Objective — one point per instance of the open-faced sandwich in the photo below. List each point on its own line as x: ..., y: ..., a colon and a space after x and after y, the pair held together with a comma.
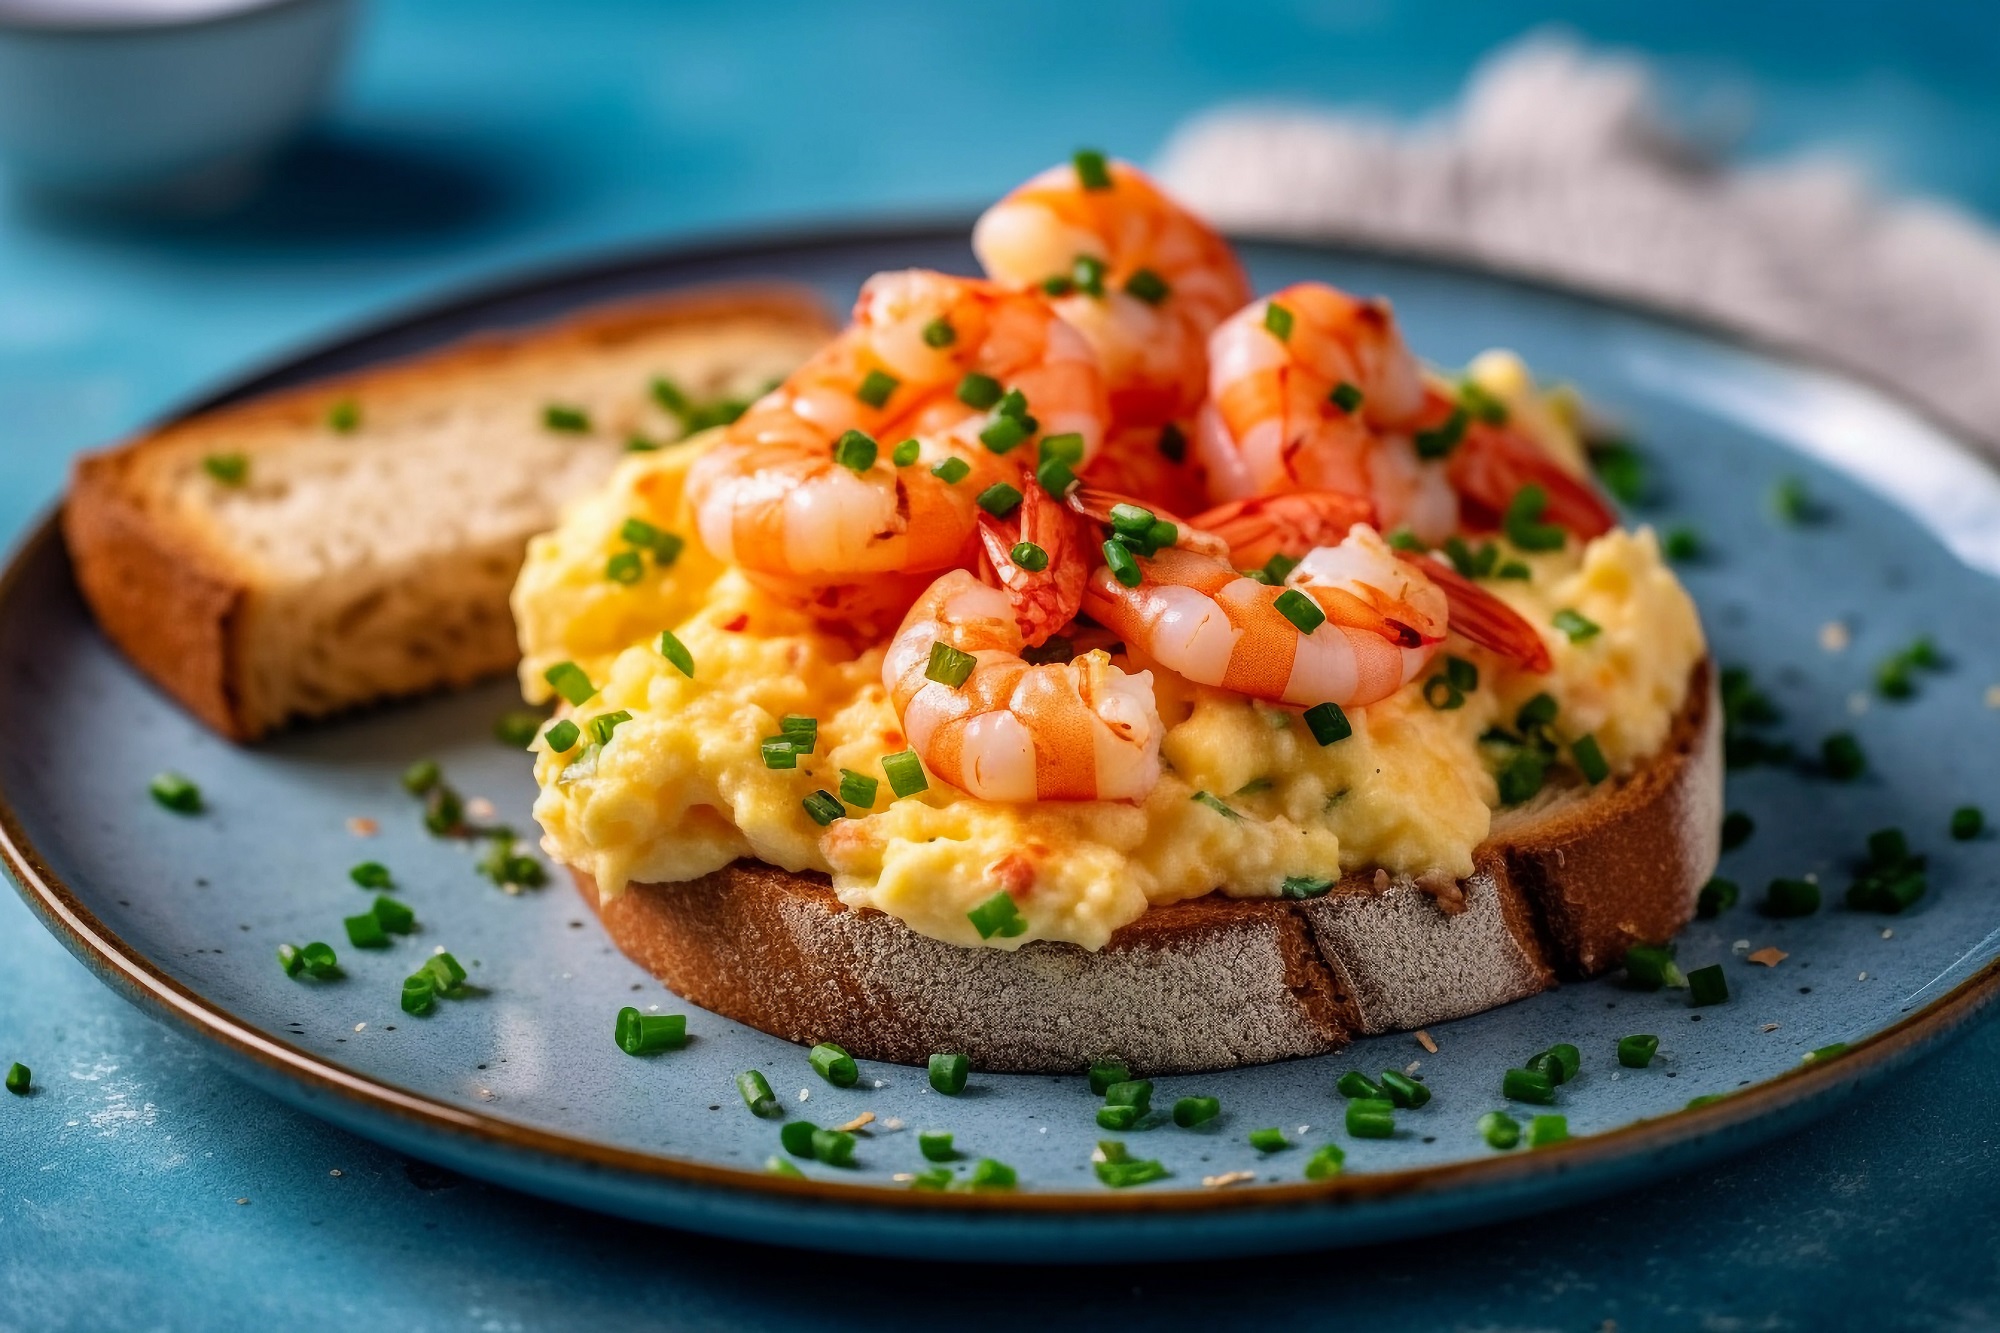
x: 1092, y: 659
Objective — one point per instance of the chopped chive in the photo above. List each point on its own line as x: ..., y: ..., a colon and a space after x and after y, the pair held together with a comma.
x: 1278, y: 320
x: 566, y: 418
x: 1403, y: 1090
x: 562, y: 736
x: 419, y: 994
x: 1707, y: 985
x: 1791, y: 503
x: 979, y: 391
x: 1520, y: 778
x: 1828, y: 1052
x: 1575, y: 624
x: 1545, y: 1130
x: 1105, y: 1073
x: 1967, y: 823
x: 19, y: 1079
x: 1354, y: 1084
x: 1192, y: 1111
x: 1442, y: 695
x: 989, y: 1174
x: 1279, y: 567
x: 1215, y: 803
x: 778, y: 1166
x: 935, y: 1145
x: 1371, y: 1118
x: 1841, y: 756
x: 1328, y: 723
x: 951, y: 471
x: 1131, y: 1092
x: 676, y: 652
x: 940, y: 333
x: 756, y: 1093
x: 419, y: 778
x: 1560, y: 1062
x: 1439, y: 441
x: 343, y: 417
x: 395, y: 917
x: 290, y: 959
x: 834, y: 1147
x: 1325, y: 1161
x: 1172, y: 443
x: 824, y: 807
x: 1132, y: 520
x: 568, y: 680
x: 1087, y: 272
x: 228, y: 469
x: 176, y: 793
x: 855, y: 451
x: 1649, y: 967
x: 600, y: 728
x: 1118, y: 1118
x: 1522, y: 522
x: 778, y: 752
x: 1528, y: 1085
x: 1791, y: 897
x: 649, y: 1034
x: 1736, y: 830
x: 1029, y: 557
x: 1058, y: 284
x: 949, y: 666
x: 1589, y: 759
x: 1403, y: 539
x: 1301, y: 610
x: 947, y: 1075
x: 1345, y: 396
x: 1000, y: 499
x: 1682, y: 544
x: 639, y: 444
x: 833, y: 1064
x: 1005, y: 434
x: 371, y: 875
x: 998, y: 915
x: 802, y: 730
x: 905, y: 773
x: 1300, y: 887
x: 1148, y: 286
x: 1123, y: 566
x: 906, y: 453
x: 876, y: 387
x: 447, y: 974
x: 1717, y: 896
x: 1622, y: 469
x: 1539, y: 711
x: 669, y: 396
x: 1500, y: 1130
x: 626, y: 567
x: 1513, y: 569
x: 937, y: 1178
x: 1637, y: 1052
x: 1055, y: 475
x: 1706, y: 1099
x: 1269, y: 1140
x: 517, y: 728
x: 858, y: 789
x: 1126, y: 1174
x: 796, y: 1135
x: 444, y: 812
x: 1092, y: 172
x: 319, y: 960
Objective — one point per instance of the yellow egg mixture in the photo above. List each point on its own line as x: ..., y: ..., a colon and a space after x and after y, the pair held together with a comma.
x: 682, y: 790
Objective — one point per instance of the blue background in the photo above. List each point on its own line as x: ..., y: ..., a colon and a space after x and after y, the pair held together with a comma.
x: 476, y: 136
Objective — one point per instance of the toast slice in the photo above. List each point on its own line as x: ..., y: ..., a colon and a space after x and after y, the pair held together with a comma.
x: 1561, y: 889
x: 357, y: 539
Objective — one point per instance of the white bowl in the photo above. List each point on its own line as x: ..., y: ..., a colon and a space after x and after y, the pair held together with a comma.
x: 158, y: 101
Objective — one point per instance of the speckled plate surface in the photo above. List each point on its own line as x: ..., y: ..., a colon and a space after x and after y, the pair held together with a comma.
x: 522, y: 1084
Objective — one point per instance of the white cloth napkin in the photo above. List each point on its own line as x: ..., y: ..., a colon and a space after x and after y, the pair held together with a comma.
x: 1555, y: 162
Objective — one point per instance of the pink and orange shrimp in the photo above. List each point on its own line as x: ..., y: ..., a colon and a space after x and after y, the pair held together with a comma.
x: 1143, y: 279
x: 1493, y: 462
x: 1153, y: 464
x: 1044, y: 582
x: 844, y: 530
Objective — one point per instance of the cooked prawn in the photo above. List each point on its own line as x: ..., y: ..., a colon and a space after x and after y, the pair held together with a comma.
x: 1062, y: 731
x: 1493, y: 462
x: 1045, y: 599
x: 1152, y: 464
x: 1198, y: 616
x: 1143, y: 279
x: 772, y: 497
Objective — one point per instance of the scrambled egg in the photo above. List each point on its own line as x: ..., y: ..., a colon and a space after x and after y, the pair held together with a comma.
x: 1248, y: 799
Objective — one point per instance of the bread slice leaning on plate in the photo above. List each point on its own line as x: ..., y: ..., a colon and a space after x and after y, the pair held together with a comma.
x: 357, y: 539
x: 1562, y: 887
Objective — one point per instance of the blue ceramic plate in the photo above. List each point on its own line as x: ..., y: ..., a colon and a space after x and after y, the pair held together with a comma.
x: 523, y: 1084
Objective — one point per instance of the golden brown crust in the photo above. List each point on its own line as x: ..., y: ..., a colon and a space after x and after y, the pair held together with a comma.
x: 1213, y: 982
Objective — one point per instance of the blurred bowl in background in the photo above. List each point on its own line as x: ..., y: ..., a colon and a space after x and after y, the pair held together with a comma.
x: 158, y: 104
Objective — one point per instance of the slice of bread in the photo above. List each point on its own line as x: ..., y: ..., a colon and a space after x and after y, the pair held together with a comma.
x: 261, y: 563
x: 1561, y: 888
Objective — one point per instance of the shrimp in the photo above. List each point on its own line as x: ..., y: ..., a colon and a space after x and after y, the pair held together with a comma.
x: 1493, y: 462
x: 1292, y: 525
x: 1141, y: 278
x: 1198, y: 616
x: 1045, y: 599
x: 1081, y: 730
x: 1152, y: 464
x: 833, y: 532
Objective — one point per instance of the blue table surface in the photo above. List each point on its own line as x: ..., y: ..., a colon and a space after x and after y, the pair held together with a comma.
x: 143, y: 1187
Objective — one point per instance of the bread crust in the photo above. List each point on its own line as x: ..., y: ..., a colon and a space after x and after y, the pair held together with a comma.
x: 182, y: 606
x: 1214, y: 982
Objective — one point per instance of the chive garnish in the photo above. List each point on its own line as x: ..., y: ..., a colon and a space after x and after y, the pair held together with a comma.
x: 228, y: 469
x: 778, y: 1166
x: 906, y: 453
x: 1131, y: 1092
x: 365, y: 932
x: 1500, y: 1130
x: 19, y: 1079
x: 566, y: 418
x: 951, y: 471
x: 1325, y: 1161
x: 1717, y: 896
x: 561, y: 736
x: 940, y: 333
x: 423, y: 775
x: 371, y: 875
x: 1269, y: 1140
x: 1791, y: 897
x: 1029, y: 557
x: 1545, y: 1130
x: 1681, y: 544
x: 1300, y: 887
x: 1005, y: 434
x: 797, y: 1136
x: 1841, y: 757
x: 343, y: 416
x: 801, y: 729
x: 1520, y: 777
x: 1192, y: 1111
x: 756, y: 1093
x: 1087, y: 272
x: 419, y: 994
x: 1522, y: 522
x: 905, y: 773
x: 625, y: 567
x: 778, y: 752
x: 1707, y: 985
x: 1278, y: 321
x: 176, y: 793
x: 1403, y: 1090
x: 649, y: 1034
x: 1215, y: 803
x: 1354, y: 1084
x: 1560, y: 1062
x: 1404, y: 539
x: 568, y: 680
x: 948, y: 1073
x: 1345, y: 396
x: 1575, y: 624
x: 989, y: 1174
x: 676, y: 652
x: 1528, y: 1085
x: 875, y: 388
x: 935, y: 1145
x: 858, y: 789
x: 517, y: 728
x: 1791, y: 503
x: 979, y: 391
x: 599, y: 728
x: 1589, y: 759
x: 1371, y: 1118
x: 1736, y: 830
x: 1439, y: 441
x: 1328, y: 723
x: 1649, y: 967
x: 855, y: 451
x: 1118, y: 1118
x: 999, y: 499
x: 998, y: 915
x: 834, y: 1147
x: 1637, y: 1052
x: 1092, y: 171
x: 1123, y: 566
x: 1967, y: 823
x: 1301, y: 610
x: 834, y: 1064
x: 949, y: 666
x: 824, y: 807
x: 1125, y: 1172
x: 1827, y: 1052
x: 1148, y: 286
x: 318, y: 960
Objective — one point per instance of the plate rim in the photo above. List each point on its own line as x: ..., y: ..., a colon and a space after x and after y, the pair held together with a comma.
x: 133, y: 975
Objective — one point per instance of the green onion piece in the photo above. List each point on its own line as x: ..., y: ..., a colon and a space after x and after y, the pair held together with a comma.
x: 1105, y: 1073
x: 1622, y: 469
x: 947, y: 1075
x: 566, y: 418
x: 1132, y: 520
x: 1442, y: 695
x: 988, y: 1174
x: 1736, y: 830
x: 1087, y: 271
x: 1539, y: 711
x: 778, y: 752
x: 1355, y: 1084
x: 1278, y: 320
x: 951, y: 471
x: 1092, y: 172
x: 649, y: 1034
x: 1513, y: 569
x: 175, y: 793
x: 639, y: 444
x: 1371, y: 1118
x: 1967, y: 823
x: 290, y: 959
x: 1791, y: 897
x: 1824, y: 1053
x: 1649, y: 967
x: 228, y: 469
x: 1148, y: 286
x: 444, y: 813
x: 1403, y: 1090
x: 937, y: 1178
x: 855, y: 451
x: 906, y: 453
x: 1123, y: 567
x: 1528, y: 1085
x: 835, y: 1147
x: 1029, y: 557
x: 1888, y: 848
x: 396, y: 918
x: 949, y: 666
x: 1636, y: 1052
x: 1118, y: 1118
x: 562, y: 737
x: 1681, y: 544
x: 1192, y: 1111
x: 371, y: 875
x: 797, y: 1136
x: 857, y: 789
x: 1522, y: 522
x: 1706, y: 1099
x: 568, y: 680
x: 778, y: 1166
x: 1324, y: 1162
x: 756, y: 1093
x: 1126, y: 1174
x: 1215, y: 803
x: 1403, y: 539
x: 940, y: 333
x: 1014, y: 404
x: 905, y: 773
x: 1328, y: 723
x: 446, y: 972
x: 1301, y: 610
x: 419, y: 994
x: 1300, y: 887
x: 1717, y: 897
x: 998, y: 915
x: 1707, y: 985
x: 676, y: 652
x: 1068, y: 447
x: 599, y: 728
x: 423, y: 776
x: 1345, y: 396
x: 1173, y: 443
x: 1439, y: 441
x: 1520, y: 777
x: 19, y: 1079
x: 1462, y: 674
x: 669, y: 396
x: 1544, y: 1130
x: 824, y: 807
x: 1279, y: 567
x: 1131, y: 1092
x: 319, y: 960
x: 343, y: 417
x: 1004, y: 435
x: 517, y: 727
x: 999, y: 499
x: 935, y: 1145
x: 875, y: 388
x: 979, y: 391
x: 1791, y: 503
x: 1055, y: 476
x: 1576, y: 625
x: 1058, y: 284
x: 1894, y: 678
x: 833, y: 1064
x: 1500, y: 1130
x: 1566, y: 1058
x: 801, y: 730
x: 1269, y: 1140
x: 1589, y: 759
x: 1841, y: 756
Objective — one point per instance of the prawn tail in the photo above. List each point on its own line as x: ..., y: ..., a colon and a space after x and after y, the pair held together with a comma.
x: 1494, y: 463
x: 1264, y: 526
x: 1483, y: 618
x: 1047, y: 597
